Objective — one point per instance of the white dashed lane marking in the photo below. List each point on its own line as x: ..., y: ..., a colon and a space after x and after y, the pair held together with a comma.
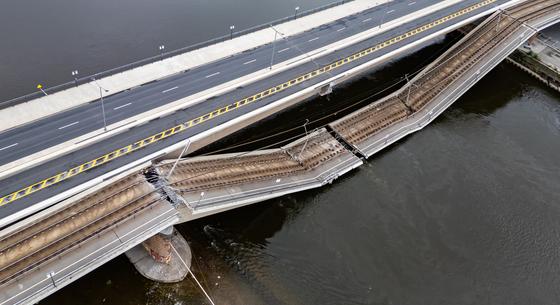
x: 122, y: 106
x: 9, y: 146
x: 170, y: 89
x: 213, y: 74
x: 71, y: 124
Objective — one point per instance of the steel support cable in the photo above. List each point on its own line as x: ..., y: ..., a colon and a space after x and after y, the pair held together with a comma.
x: 192, y: 274
x: 199, y: 266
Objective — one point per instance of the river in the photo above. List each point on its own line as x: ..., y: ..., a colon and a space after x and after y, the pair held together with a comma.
x: 463, y: 212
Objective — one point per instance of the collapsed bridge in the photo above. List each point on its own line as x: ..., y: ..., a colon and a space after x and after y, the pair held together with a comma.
x: 73, y: 238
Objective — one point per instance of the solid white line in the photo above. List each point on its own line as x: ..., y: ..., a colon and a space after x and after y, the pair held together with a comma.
x: 9, y: 146
x: 366, y: 20
x: 250, y: 61
x: 391, y: 11
x: 310, y: 40
x: 122, y: 106
x: 412, y: 3
x: 286, y: 49
x: 214, y: 74
x: 340, y: 29
x: 71, y: 124
x: 170, y: 89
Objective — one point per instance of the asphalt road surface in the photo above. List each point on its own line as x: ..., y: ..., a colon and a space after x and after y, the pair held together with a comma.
x: 37, y: 136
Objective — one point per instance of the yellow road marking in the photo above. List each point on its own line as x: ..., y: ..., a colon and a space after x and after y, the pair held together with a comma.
x: 35, y: 187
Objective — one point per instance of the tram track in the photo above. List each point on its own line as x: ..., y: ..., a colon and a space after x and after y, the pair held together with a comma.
x: 436, y: 78
x: 51, y: 236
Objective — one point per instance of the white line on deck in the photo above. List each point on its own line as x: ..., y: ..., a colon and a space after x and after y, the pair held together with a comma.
x: 122, y: 106
x: 71, y: 124
x: 342, y: 29
x: 286, y: 49
x: 310, y: 40
x: 250, y: 61
x: 9, y: 146
x: 366, y: 20
x: 412, y: 3
x: 170, y: 89
x: 391, y: 11
x: 214, y: 74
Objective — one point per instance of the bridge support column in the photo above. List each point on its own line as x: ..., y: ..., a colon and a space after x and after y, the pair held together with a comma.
x: 164, y: 257
x: 168, y: 231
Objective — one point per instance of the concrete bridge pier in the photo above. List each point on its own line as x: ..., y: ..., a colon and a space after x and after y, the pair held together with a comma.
x: 164, y: 257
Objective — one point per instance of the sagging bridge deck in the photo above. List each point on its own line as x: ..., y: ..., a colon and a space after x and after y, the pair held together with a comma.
x: 203, y: 185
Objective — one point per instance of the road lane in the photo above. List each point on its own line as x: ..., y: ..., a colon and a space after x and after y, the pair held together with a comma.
x: 40, y: 135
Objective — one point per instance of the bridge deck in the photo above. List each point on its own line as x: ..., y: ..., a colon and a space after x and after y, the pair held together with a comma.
x: 231, y: 180
x: 78, y: 238
x: 219, y: 116
x: 435, y: 88
x: 212, y: 184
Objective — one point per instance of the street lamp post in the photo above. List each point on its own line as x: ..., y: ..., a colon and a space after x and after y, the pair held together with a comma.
x: 40, y: 87
x: 161, y: 49
x: 295, y: 14
x: 101, y: 89
x: 75, y: 75
x: 231, y: 28
x: 273, y: 47
x: 383, y: 15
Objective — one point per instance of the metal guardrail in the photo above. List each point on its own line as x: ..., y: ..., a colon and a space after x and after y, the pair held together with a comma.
x: 152, y: 59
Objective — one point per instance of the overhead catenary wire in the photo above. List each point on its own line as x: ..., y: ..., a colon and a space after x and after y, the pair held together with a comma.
x: 369, y: 94
x: 421, y: 70
x: 192, y: 274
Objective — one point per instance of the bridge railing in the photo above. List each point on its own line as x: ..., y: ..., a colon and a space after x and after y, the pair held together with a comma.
x: 145, y: 61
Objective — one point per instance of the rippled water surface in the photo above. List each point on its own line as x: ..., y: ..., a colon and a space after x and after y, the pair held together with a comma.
x: 464, y: 212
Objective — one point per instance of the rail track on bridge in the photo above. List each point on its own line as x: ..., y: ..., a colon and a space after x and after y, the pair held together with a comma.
x: 206, y: 174
x: 46, y: 238
x: 373, y: 119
